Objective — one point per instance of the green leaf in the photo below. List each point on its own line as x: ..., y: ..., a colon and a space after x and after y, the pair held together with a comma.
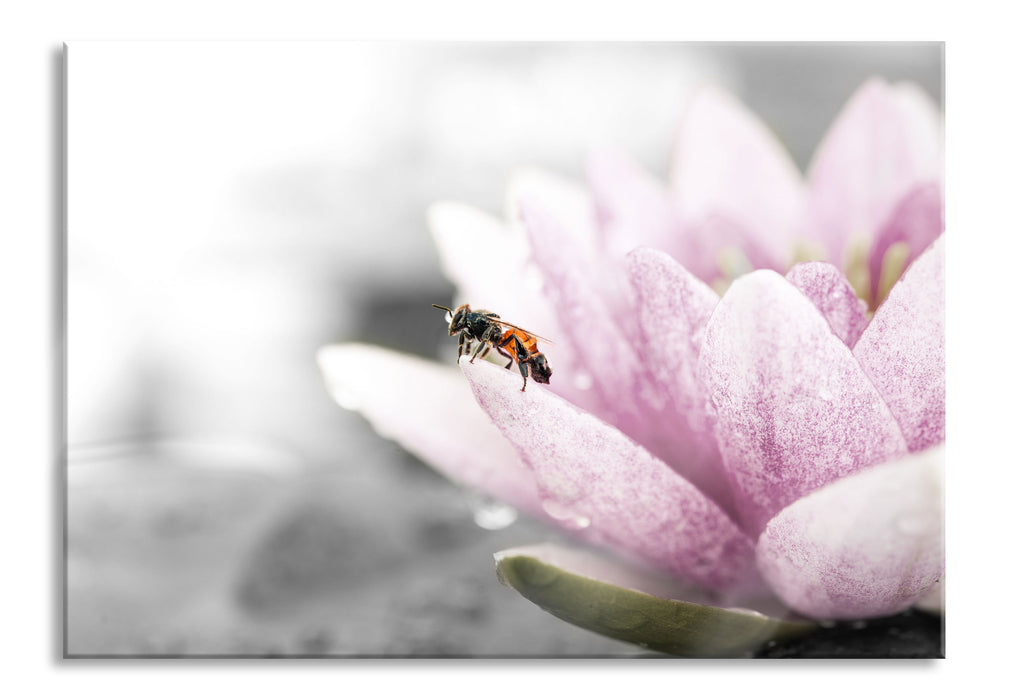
x: 674, y: 627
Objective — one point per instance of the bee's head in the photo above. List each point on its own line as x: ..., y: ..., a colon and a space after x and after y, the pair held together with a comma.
x: 456, y: 319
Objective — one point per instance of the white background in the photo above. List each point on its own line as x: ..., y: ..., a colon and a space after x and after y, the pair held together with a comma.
x: 976, y: 120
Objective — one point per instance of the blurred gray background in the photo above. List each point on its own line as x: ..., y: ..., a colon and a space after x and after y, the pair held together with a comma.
x: 233, y: 207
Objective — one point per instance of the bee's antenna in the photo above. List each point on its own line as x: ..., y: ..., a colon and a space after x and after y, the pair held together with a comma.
x: 444, y: 308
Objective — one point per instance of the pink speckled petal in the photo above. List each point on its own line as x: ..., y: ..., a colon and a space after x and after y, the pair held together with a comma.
x: 916, y: 221
x: 611, y: 491
x: 877, y: 148
x: 831, y: 293
x: 794, y: 409
x: 428, y: 409
x: 867, y: 545
x: 903, y: 350
x: 727, y: 163
x: 672, y: 307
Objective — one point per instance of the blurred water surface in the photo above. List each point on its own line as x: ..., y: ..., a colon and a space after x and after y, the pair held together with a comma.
x: 233, y: 207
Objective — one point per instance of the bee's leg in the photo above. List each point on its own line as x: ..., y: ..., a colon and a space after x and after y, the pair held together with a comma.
x: 524, y: 369
x: 486, y: 350
x: 462, y: 340
x: 517, y: 347
x: 504, y: 354
x: 479, y: 349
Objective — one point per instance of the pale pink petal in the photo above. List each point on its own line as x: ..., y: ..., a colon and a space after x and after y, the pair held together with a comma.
x: 580, y: 291
x: 876, y: 150
x: 466, y: 238
x: 568, y: 200
x: 831, y: 293
x: 633, y: 208
x: 428, y: 409
x: 672, y: 307
x: 923, y: 120
x: 867, y: 545
x: 916, y: 222
x: 727, y: 163
x: 903, y: 351
x: 610, y: 490
x: 794, y: 409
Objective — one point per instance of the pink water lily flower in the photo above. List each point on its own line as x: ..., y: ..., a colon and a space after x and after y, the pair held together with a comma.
x: 748, y: 388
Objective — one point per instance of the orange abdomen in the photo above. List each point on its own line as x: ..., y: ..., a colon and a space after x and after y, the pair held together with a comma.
x: 527, y: 341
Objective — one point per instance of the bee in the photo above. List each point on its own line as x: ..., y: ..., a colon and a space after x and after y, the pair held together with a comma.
x: 487, y: 328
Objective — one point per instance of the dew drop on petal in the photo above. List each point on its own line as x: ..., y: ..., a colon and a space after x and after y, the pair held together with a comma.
x: 491, y: 514
x: 746, y: 611
x: 582, y: 380
x: 567, y: 516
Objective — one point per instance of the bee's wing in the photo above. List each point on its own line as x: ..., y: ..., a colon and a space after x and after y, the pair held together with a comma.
x: 535, y: 335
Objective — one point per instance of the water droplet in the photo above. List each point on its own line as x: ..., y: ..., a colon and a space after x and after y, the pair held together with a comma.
x: 566, y: 515
x: 582, y: 380
x: 346, y: 398
x: 747, y: 611
x: 490, y: 514
x: 917, y: 524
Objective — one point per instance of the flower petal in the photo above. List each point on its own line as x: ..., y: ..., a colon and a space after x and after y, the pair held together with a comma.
x: 634, y: 209
x: 466, y: 237
x: 488, y: 260
x: 831, y: 293
x: 876, y: 150
x: 611, y: 491
x: 581, y: 294
x: 915, y: 222
x: 794, y: 409
x: 569, y: 202
x: 624, y: 603
x: 865, y: 546
x: 903, y: 350
x: 428, y: 409
x: 672, y: 307
x: 727, y: 163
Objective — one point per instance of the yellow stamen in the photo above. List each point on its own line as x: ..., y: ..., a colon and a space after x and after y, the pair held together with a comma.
x: 856, y: 266
x: 807, y: 251
x: 894, y: 263
x: 732, y: 262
